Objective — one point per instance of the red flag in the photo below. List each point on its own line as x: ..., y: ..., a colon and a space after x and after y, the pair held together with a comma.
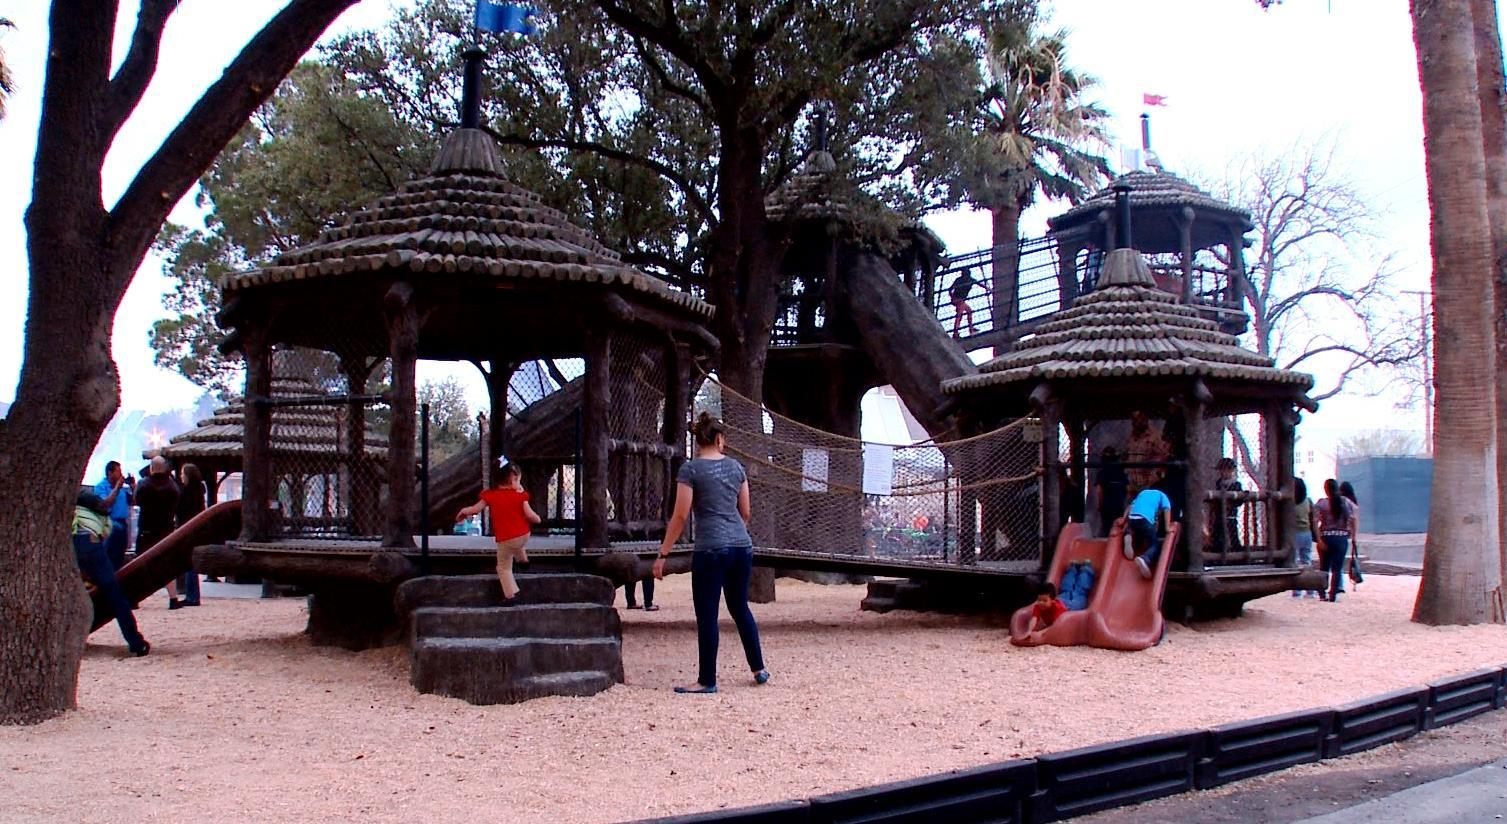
x: 1154, y: 99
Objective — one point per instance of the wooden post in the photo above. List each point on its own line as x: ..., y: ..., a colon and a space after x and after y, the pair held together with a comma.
x: 594, y: 435
x: 498, y: 378
x: 362, y: 493
x: 1067, y: 277
x: 1185, y: 249
x: 212, y: 487
x: 1281, y: 466
x: 256, y: 444
x: 403, y: 340
x: 1051, y: 487
x: 678, y: 366
x: 1236, y: 249
x: 1196, y: 515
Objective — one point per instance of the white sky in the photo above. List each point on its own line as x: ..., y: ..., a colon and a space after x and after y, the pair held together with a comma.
x: 1237, y: 80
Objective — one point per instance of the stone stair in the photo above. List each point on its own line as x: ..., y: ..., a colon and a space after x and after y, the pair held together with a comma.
x: 560, y: 636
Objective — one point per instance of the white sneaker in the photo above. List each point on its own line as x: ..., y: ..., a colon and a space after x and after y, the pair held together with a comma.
x: 1140, y: 564
x: 1129, y: 553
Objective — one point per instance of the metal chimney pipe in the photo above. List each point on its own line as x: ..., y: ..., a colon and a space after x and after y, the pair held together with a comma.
x: 1122, y: 217
x: 470, y: 96
x: 1145, y: 132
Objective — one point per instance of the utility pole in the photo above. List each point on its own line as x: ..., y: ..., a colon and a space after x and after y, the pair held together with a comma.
x: 1428, y: 369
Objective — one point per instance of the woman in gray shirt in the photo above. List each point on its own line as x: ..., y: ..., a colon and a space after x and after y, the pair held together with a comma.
x: 715, y: 488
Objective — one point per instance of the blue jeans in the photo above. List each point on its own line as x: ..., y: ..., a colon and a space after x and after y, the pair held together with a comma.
x: 115, y: 544
x: 188, y: 586
x: 717, y: 572
x: 1336, y: 554
x: 1302, y: 547
x: 96, y: 566
x: 1142, y: 530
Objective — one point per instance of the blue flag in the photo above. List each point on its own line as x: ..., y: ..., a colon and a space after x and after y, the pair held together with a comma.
x: 500, y: 17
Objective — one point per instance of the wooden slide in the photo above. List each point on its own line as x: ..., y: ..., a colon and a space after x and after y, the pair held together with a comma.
x: 171, y: 557
x: 1124, y: 611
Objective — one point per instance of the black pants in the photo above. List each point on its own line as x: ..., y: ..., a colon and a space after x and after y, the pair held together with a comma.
x: 97, y: 567
x: 648, y: 592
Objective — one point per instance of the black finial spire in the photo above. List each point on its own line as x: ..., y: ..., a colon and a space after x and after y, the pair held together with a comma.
x: 1122, y: 217
x: 1145, y: 132
x: 821, y: 130
x: 470, y: 96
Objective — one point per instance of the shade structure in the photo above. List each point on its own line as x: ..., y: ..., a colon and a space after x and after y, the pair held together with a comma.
x: 1158, y: 199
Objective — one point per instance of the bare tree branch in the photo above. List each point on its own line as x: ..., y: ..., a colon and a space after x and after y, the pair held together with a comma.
x: 135, y: 73
x: 222, y: 110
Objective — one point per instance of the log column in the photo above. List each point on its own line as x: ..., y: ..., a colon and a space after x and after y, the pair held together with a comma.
x: 256, y: 446
x: 592, y: 511
x: 1185, y: 250
x: 1196, y: 514
x: 403, y: 340
x: 1067, y: 276
x: 1283, y: 424
x: 1050, y: 410
x: 678, y: 367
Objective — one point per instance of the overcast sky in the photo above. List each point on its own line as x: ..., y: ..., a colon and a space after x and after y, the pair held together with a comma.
x: 1237, y: 80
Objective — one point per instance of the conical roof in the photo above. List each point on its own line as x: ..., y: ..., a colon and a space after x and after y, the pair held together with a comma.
x: 303, y: 431
x: 463, y: 217
x: 1128, y: 329
x: 817, y: 193
x: 1148, y: 188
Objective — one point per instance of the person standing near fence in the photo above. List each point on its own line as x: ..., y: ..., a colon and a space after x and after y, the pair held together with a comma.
x: 715, y: 487
x: 158, y: 499
x: 1333, y: 529
x: 193, y: 496
x: 960, y: 292
x: 1302, y: 531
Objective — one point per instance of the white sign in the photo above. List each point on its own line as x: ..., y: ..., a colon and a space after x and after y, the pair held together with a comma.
x: 878, y: 468
x: 814, y: 470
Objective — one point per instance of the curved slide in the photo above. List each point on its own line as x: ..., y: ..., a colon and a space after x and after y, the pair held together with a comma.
x: 1125, y: 610
x: 171, y: 557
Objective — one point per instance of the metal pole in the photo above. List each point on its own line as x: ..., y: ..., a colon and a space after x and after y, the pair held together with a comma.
x: 424, y: 489
x: 1428, y: 369
x: 578, y: 488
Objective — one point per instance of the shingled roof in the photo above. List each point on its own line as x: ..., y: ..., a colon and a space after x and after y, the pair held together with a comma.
x: 465, y: 216
x: 1128, y: 329
x: 302, y: 431
x: 818, y: 193
x: 1148, y: 189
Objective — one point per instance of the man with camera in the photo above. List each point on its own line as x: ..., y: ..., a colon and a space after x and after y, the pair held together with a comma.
x: 116, y: 493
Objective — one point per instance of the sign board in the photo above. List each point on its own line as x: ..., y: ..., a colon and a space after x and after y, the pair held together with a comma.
x: 878, y: 468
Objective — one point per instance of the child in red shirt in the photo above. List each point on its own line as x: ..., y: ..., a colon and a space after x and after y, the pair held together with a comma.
x: 1048, y: 607
x: 511, y: 518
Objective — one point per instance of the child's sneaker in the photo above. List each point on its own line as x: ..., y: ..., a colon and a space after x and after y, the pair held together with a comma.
x: 1129, y: 553
x: 1140, y: 564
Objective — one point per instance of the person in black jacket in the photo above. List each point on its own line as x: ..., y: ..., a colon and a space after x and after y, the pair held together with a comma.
x: 192, y: 498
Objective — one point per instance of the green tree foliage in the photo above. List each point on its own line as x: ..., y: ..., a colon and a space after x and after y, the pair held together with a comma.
x: 660, y: 126
x: 452, y: 427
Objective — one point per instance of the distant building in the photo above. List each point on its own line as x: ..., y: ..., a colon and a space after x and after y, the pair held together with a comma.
x: 1393, y: 492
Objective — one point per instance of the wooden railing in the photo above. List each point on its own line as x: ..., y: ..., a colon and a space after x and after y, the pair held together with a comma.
x: 1241, y: 529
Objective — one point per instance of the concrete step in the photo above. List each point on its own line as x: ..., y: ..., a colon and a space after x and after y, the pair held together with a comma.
x: 570, y: 684
x: 879, y: 604
x: 526, y: 621
x: 486, y: 591
x: 509, y: 670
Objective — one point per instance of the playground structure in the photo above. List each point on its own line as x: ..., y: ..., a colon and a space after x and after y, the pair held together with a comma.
x: 461, y: 264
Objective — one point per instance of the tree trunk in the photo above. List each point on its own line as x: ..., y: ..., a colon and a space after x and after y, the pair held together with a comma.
x: 1489, y: 81
x: 1005, y: 277
x: 1462, y: 558
x: 745, y: 265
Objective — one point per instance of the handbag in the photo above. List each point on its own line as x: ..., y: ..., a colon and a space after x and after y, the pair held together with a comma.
x: 1356, y: 577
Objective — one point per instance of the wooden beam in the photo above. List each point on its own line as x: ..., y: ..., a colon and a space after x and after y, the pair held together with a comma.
x: 402, y: 320
x: 1196, y: 513
x: 256, y: 444
x: 594, y: 436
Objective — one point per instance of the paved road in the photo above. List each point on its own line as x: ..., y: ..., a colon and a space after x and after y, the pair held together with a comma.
x: 1477, y: 795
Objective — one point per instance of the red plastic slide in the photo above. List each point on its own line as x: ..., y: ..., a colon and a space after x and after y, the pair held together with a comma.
x: 171, y: 557
x: 1125, y: 610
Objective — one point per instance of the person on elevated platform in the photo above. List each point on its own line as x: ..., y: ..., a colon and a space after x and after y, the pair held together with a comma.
x: 512, y: 519
x: 1147, y: 523
x: 1112, y: 488
x: 1145, y: 445
x: 1226, y: 516
x: 960, y: 292
x: 715, y: 487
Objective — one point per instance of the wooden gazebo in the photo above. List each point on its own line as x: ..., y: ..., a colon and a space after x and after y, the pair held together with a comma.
x: 462, y: 264
x: 1130, y: 346
x: 1196, y: 241
x: 314, y: 437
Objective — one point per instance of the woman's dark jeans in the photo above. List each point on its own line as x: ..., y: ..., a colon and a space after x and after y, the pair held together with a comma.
x: 714, y: 572
x: 96, y: 566
x: 1336, y: 553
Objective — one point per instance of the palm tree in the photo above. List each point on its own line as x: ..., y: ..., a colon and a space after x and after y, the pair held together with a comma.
x: 1043, y: 139
x: 1462, y: 573
x: 7, y: 85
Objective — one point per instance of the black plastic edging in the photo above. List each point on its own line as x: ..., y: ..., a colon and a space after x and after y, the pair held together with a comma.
x: 782, y: 812
x: 1376, y: 721
x: 1078, y: 782
x: 1090, y: 779
x: 996, y: 793
x: 1461, y: 697
x: 1249, y: 748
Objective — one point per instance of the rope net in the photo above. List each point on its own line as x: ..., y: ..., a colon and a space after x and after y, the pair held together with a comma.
x: 954, y: 501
